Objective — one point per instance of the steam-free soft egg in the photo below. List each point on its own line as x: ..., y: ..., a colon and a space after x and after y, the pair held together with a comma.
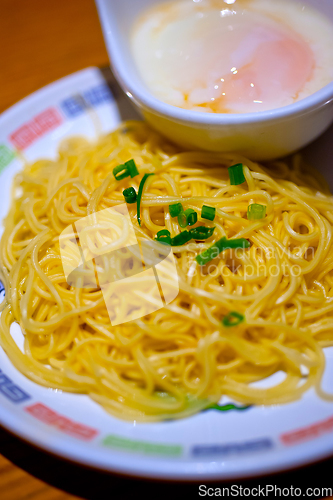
x: 233, y: 56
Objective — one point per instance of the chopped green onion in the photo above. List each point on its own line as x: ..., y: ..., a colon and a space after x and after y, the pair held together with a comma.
x: 208, y: 212
x: 191, y: 217
x: 120, y: 172
x: 234, y: 318
x: 132, y: 168
x: 182, y: 219
x: 201, y: 232
x: 237, y: 243
x: 125, y: 170
x: 181, y: 239
x: 236, y: 174
x: 138, y: 201
x: 226, y: 407
x: 165, y: 240
x: 218, y: 247
x: 164, y: 237
x: 163, y: 232
x: 256, y: 211
x: 175, y: 209
x: 130, y: 195
x: 187, y: 218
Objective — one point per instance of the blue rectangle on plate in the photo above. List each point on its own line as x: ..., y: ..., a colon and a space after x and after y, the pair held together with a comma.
x: 233, y: 448
x: 98, y: 95
x: 12, y: 391
x: 73, y: 106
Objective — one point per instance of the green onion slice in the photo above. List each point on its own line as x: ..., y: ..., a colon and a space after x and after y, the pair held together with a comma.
x: 256, y: 211
x: 191, y: 217
x: 208, y: 212
x: 125, y: 170
x: 120, y: 172
x: 130, y: 195
x: 164, y: 237
x: 201, y: 232
x: 218, y: 247
x: 181, y: 239
x: 165, y: 240
x: 163, y: 232
x: 175, y: 209
x: 182, y: 219
x: 132, y: 168
x: 236, y: 174
x: 138, y: 201
x: 234, y: 318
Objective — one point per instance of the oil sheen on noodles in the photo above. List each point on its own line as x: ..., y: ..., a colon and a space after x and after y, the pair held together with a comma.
x: 182, y: 358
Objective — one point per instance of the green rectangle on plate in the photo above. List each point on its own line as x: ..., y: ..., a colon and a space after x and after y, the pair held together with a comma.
x: 6, y: 156
x: 141, y: 446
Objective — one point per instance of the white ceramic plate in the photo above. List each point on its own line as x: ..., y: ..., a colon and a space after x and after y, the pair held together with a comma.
x: 213, y: 444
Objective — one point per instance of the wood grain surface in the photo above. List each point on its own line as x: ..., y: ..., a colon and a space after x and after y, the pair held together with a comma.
x: 41, y: 41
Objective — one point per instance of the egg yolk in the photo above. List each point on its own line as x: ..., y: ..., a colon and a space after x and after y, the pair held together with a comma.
x: 276, y: 70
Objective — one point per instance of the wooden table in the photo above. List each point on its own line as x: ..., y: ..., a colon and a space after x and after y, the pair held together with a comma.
x: 41, y: 41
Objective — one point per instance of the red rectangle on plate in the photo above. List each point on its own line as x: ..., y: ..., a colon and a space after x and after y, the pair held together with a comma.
x: 311, y: 432
x: 47, y: 120
x: 50, y: 417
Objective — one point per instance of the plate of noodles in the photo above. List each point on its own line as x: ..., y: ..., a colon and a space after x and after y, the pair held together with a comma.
x: 212, y: 361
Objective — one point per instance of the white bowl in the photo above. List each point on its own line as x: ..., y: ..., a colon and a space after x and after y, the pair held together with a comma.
x: 261, y: 135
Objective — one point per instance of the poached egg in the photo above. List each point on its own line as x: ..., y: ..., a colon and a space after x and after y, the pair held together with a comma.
x: 233, y: 56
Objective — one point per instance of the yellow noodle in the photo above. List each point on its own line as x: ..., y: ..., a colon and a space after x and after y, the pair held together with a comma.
x: 180, y: 359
